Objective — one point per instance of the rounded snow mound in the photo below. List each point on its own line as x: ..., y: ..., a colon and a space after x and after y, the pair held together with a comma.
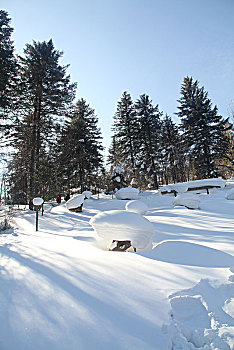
x: 230, y: 194
x: 75, y: 202
x: 188, y: 200
x: 122, y: 225
x: 87, y: 194
x: 127, y: 193
x: 137, y: 206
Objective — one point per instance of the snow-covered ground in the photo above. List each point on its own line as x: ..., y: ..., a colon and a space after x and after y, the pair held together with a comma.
x: 60, y: 291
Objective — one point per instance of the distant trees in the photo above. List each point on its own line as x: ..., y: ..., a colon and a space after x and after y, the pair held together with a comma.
x: 203, y: 129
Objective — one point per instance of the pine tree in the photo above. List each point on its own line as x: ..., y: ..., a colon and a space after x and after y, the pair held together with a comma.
x: 7, y: 61
x: 173, y: 153
x: 79, y: 154
x: 203, y: 128
x: 123, y: 148
x: 44, y: 93
x: 149, y: 139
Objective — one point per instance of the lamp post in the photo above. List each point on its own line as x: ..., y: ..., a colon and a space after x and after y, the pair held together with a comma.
x: 37, y: 202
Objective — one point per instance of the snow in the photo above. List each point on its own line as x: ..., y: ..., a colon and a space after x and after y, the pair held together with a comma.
x: 137, y: 206
x: 182, y: 187
x: 127, y: 193
x: 38, y: 201
x: 188, y: 200
x: 87, y: 194
x: 60, y: 290
x: 75, y: 201
x: 122, y: 225
x: 230, y: 194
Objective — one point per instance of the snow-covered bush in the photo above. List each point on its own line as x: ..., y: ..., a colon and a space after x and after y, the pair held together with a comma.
x: 188, y: 200
x: 75, y: 202
x: 87, y: 194
x: 122, y: 225
x: 136, y: 206
x: 230, y: 194
x: 127, y: 193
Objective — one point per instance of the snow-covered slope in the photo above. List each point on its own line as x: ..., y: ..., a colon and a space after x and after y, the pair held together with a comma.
x: 60, y: 291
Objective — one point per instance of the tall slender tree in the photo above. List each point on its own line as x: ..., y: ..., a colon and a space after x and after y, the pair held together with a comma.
x: 123, y: 148
x: 203, y: 128
x: 7, y: 61
x: 79, y: 151
x: 148, y: 144
x: 44, y: 94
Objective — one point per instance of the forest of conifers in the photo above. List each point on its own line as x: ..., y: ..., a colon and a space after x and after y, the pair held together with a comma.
x: 56, y: 143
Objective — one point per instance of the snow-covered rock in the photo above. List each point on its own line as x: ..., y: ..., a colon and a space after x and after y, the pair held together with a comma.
x: 87, y: 194
x: 230, y: 194
x: 75, y: 202
x: 137, y: 206
x: 38, y: 201
x: 122, y: 225
x: 188, y: 200
x: 127, y: 193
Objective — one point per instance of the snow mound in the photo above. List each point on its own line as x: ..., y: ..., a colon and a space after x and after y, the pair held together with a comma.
x: 137, y: 207
x: 127, y: 193
x: 122, y: 225
x: 188, y: 200
x: 202, y: 317
x: 230, y: 194
x: 75, y: 202
x: 87, y: 194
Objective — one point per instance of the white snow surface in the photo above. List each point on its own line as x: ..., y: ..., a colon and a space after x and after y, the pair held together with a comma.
x: 122, y: 225
x: 87, y: 194
x: 75, y: 201
x: 127, y: 193
x: 230, y: 194
x: 188, y: 200
x: 136, y: 206
x: 60, y: 290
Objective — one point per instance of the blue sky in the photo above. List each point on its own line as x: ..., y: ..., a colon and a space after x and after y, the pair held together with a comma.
x: 139, y: 46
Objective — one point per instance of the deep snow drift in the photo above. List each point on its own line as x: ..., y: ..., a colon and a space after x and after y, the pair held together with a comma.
x: 59, y: 290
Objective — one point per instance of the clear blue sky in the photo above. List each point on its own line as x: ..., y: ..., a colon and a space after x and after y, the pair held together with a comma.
x: 141, y: 46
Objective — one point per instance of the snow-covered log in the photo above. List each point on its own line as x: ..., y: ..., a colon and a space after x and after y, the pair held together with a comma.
x: 122, y: 225
x: 75, y: 203
x: 127, y: 193
x: 87, y: 194
x: 188, y: 200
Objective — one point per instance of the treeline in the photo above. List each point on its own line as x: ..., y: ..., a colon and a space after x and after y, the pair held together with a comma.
x: 154, y: 150
x: 57, y: 143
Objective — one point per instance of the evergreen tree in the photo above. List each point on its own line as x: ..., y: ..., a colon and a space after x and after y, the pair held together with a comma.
x: 174, y: 161
x: 44, y: 93
x: 148, y: 144
x: 79, y: 148
x: 203, y: 128
x: 123, y: 149
x: 7, y: 61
